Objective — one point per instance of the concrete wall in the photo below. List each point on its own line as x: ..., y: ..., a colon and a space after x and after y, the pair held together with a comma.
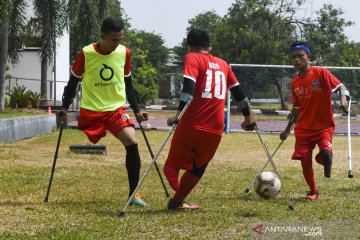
x: 14, y: 129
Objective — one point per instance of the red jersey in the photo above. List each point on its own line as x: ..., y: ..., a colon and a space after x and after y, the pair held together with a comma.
x: 212, y: 77
x: 78, y: 67
x: 311, y: 94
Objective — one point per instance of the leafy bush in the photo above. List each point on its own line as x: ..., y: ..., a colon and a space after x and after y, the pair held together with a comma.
x: 20, y: 97
x: 35, y: 99
x: 7, y: 100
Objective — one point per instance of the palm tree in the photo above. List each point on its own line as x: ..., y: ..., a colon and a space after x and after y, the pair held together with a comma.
x: 52, y: 19
x: 12, y: 19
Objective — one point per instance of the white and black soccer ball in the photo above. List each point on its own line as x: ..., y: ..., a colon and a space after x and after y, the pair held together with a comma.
x: 147, y: 127
x: 267, y: 185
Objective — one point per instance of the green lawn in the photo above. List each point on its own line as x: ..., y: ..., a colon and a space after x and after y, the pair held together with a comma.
x: 22, y: 112
x: 89, y: 190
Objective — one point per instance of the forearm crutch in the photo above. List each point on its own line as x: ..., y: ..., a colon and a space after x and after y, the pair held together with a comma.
x: 293, y: 122
x: 152, y: 157
x: 54, y: 162
x: 273, y: 165
x: 350, y: 175
x: 156, y: 156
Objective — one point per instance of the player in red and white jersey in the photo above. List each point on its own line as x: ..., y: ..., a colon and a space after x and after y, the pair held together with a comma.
x: 78, y: 67
x: 105, y: 73
x: 196, y: 138
x: 311, y: 90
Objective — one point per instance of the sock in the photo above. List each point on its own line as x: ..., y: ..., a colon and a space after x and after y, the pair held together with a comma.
x: 133, y: 165
x: 187, y: 183
x: 172, y: 175
x: 308, y: 173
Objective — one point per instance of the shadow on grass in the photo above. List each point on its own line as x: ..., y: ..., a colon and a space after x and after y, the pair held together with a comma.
x: 351, y: 189
x: 146, y: 212
x: 9, y: 203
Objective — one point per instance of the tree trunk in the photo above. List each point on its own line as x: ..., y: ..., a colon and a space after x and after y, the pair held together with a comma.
x: 281, y: 95
x: 43, y: 87
x: 4, y: 33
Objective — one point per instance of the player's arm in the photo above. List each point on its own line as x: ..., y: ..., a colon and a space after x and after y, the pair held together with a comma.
x: 292, y: 117
x: 243, y: 105
x: 186, y: 93
x: 68, y: 96
x: 130, y: 95
x: 344, y: 98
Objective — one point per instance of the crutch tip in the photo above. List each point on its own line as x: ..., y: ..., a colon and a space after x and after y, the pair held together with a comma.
x: 247, y: 190
x: 291, y: 208
x: 350, y: 175
x: 121, y: 214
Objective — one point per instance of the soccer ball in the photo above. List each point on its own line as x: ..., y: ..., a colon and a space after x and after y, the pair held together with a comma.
x: 147, y: 127
x: 267, y: 185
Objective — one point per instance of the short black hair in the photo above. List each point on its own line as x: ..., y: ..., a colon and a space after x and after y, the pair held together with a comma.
x: 198, y: 38
x: 112, y: 24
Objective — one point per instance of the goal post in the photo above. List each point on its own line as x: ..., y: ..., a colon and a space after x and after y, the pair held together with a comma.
x: 273, y: 81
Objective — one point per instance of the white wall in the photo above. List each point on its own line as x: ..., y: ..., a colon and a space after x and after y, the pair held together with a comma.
x: 27, y: 71
x: 29, y: 67
x: 62, y: 64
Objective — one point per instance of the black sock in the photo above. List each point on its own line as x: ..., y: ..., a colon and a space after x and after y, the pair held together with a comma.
x: 133, y: 165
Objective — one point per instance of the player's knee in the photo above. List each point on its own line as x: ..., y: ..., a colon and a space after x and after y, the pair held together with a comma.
x: 326, y: 155
x: 199, y: 172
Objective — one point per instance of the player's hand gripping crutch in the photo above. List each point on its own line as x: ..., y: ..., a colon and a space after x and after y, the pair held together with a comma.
x: 152, y: 157
x: 350, y: 175
x: 156, y: 156
x: 292, y: 121
x: 54, y: 162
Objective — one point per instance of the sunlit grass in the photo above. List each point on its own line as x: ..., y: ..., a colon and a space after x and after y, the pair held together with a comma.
x: 89, y: 190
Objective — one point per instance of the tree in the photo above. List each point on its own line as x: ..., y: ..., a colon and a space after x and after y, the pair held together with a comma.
x: 52, y: 19
x: 261, y: 31
x: 257, y: 32
x: 144, y: 74
x: 11, y: 21
x: 207, y: 21
x: 325, y: 35
x: 153, y: 44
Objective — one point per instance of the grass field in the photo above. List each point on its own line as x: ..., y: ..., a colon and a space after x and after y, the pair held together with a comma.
x: 21, y: 112
x: 89, y: 190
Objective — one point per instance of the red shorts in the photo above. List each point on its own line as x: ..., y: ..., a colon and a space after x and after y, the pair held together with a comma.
x: 305, y: 145
x: 190, y: 145
x: 96, y: 124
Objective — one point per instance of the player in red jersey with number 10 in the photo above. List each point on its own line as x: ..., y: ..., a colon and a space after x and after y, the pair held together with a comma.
x: 196, y: 138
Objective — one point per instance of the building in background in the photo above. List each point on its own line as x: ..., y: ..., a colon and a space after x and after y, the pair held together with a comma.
x: 27, y: 71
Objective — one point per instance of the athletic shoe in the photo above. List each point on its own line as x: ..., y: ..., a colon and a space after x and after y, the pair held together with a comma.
x: 327, y: 167
x: 312, y: 195
x: 137, y: 201
x: 181, y: 206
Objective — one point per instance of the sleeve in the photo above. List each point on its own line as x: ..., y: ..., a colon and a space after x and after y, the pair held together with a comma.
x: 70, y: 91
x: 127, y: 67
x: 187, y: 91
x: 191, y: 69
x: 130, y: 94
x: 78, y: 67
x: 231, y: 79
x: 330, y: 80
